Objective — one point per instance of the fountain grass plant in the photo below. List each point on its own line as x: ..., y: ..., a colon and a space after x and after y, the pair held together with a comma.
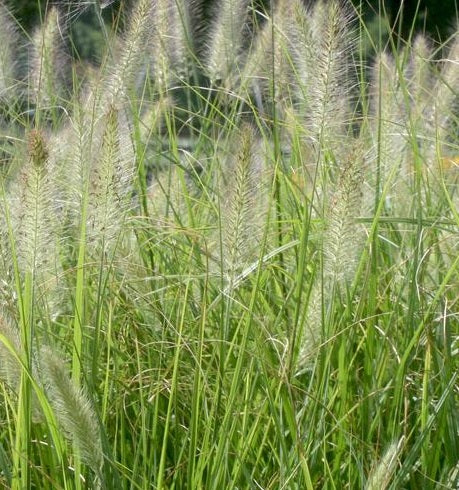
x: 230, y: 266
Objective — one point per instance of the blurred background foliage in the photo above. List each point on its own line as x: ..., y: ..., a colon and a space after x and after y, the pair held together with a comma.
x: 436, y: 18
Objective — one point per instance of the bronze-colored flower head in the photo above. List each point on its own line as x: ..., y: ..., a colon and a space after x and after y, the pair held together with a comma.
x: 37, y: 148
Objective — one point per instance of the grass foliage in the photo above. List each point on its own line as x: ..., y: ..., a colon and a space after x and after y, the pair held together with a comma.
x: 229, y: 252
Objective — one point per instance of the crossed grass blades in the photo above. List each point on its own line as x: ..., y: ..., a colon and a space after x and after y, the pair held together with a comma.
x: 229, y: 252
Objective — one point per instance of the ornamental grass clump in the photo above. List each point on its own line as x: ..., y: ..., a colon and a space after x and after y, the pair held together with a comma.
x: 228, y: 253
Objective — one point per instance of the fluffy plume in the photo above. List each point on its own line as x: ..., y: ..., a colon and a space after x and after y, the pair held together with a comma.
x: 94, y: 158
x: 226, y: 41
x: 271, y: 58
x: 124, y: 69
x: 110, y: 180
x: 305, y: 56
x: 172, y: 36
x: 243, y: 195
x: 9, y: 40
x: 444, y: 101
x: 388, y: 126
x: 72, y: 409
x: 341, y: 245
x: 312, y: 329
x: 419, y: 76
x: 341, y: 240
x: 383, y: 472
x: 33, y: 212
x: 329, y: 80
x: 419, y: 83
x: 71, y: 156
x: 48, y: 62
x: 447, y: 87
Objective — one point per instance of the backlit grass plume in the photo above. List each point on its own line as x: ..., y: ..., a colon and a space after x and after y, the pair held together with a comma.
x: 34, y: 212
x: 123, y: 69
x: 171, y: 42
x: 226, y: 41
x: 420, y: 77
x: 389, y: 122
x: 259, y: 269
x: 328, y: 76
x: 343, y: 237
x: 383, y: 471
x: 94, y: 161
x: 342, y: 241
x: 48, y: 63
x: 72, y: 409
x: 243, y: 202
x: 71, y: 156
x: 270, y: 68
x: 110, y: 183
x: 441, y: 113
x: 9, y: 41
x: 418, y: 81
x: 292, y: 70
